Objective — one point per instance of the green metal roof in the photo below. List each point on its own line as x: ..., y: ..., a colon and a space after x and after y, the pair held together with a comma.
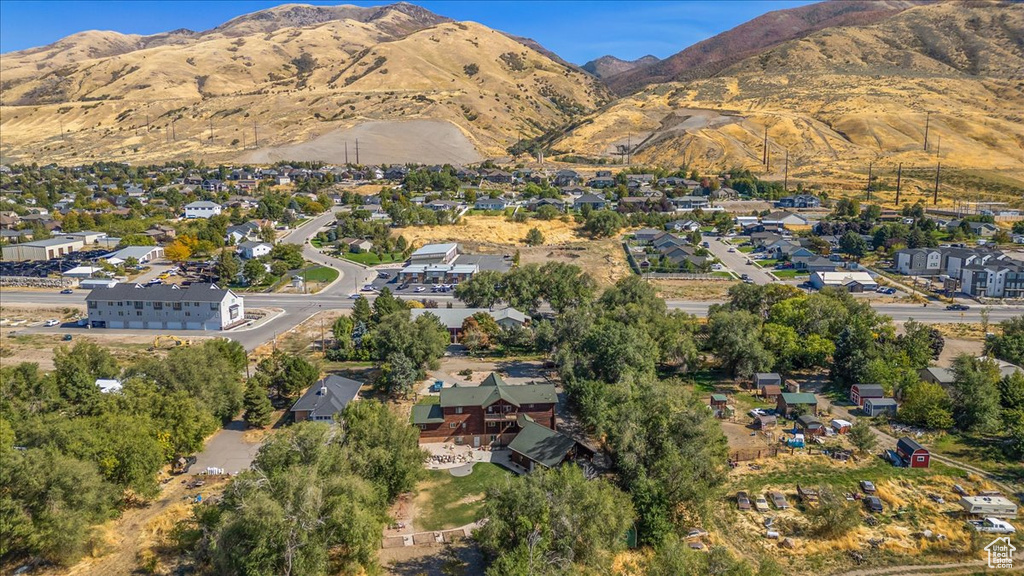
x: 540, y: 443
x: 493, y: 388
x: 427, y: 414
x: 799, y: 398
x: 719, y: 397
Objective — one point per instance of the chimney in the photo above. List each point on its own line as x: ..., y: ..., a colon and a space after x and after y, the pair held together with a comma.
x: 323, y: 390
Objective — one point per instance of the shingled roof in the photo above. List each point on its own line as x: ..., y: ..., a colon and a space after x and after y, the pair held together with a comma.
x: 159, y: 293
x: 541, y: 444
x: 493, y: 388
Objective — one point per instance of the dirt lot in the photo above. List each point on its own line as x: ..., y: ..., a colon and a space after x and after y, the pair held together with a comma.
x: 38, y: 348
x: 492, y: 230
x: 696, y: 290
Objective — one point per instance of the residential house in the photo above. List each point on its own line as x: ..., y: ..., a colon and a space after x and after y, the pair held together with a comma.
x: 799, y: 201
x: 861, y: 392
x: 251, y: 249
x: 242, y: 232
x: 685, y: 203
x: 813, y: 263
x: 765, y: 422
x: 913, y: 454
x: 202, y: 209
x: 790, y: 403
x: 485, y: 415
x: 325, y: 399
x: 919, y: 261
x: 998, y: 279
x: 164, y: 307
x: 602, y: 182
x: 594, y: 201
x: 534, y: 203
x: 439, y: 205
x: 646, y: 234
x: 683, y: 226
x: 566, y: 178
x: 454, y: 318
x: 983, y: 229
x: 490, y: 203
x: 876, y: 406
x: 497, y: 176
x: 782, y: 219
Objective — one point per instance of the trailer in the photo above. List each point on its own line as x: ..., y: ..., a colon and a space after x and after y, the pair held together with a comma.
x: 988, y: 506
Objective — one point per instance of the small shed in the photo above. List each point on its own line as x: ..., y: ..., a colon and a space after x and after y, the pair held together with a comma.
x: 719, y: 400
x: 790, y: 402
x: 762, y: 379
x: 861, y: 392
x: 765, y: 422
x: 771, y: 392
x: 810, y: 425
x: 875, y: 406
x: 913, y: 454
x: 841, y: 426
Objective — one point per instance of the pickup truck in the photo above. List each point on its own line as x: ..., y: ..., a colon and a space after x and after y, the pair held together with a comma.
x: 993, y: 526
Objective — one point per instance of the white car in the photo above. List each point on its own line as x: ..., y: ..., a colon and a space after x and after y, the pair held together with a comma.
x: 420, y: 289
x: 994, y: 526
x: 732, y: 249
x: 757, y: 412
x: 49, y: 323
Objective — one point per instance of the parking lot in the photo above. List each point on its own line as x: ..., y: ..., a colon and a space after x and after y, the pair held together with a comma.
x: 387, y: 276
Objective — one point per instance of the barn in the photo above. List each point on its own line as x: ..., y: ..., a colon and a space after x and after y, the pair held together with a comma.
x: 913, y: 454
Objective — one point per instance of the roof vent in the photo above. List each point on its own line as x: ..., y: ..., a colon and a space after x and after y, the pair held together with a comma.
x: 323, y: 391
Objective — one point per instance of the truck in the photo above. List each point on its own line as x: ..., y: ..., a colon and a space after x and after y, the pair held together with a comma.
x: 993, y: 526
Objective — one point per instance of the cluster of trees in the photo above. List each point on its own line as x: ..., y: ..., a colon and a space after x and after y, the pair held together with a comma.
x: 385, y: 333
x: 72, y: 456
x: 315, y: 500
x: 562, y: 286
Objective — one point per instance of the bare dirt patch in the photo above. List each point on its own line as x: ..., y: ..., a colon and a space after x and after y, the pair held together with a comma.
x: 696, y: 290
x: 381, y: 142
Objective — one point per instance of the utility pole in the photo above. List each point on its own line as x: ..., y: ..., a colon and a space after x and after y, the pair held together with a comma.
x: 927, y: 117
x: 870, y: 165
x: 346, y: 152
x: 935, y: 196
x: 243, y: 140
x: 938, y: 146
x: 256, y: 134
x: 174, y: 135
x: 785, y: 178
x: 61, y: 128
x: 357, y: 150
x: 768, y: 160
x: 629, y: 148
x: 211, y: 130
x: 899, y: 175
x: 764, y: 150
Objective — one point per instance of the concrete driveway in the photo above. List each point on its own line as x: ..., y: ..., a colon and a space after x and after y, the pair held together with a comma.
x: 228, y: 450
x: 737, y: 261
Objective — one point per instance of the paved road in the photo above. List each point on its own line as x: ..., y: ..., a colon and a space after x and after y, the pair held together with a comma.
x: 737, y: 261
x: 353, y: 275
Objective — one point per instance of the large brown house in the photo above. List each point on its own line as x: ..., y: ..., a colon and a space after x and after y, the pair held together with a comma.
x: 487, y: 414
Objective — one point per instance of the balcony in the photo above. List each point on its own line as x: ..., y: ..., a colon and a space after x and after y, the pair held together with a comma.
x: 500, y: 417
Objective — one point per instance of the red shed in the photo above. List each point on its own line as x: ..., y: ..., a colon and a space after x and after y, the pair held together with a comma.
x: 861, y: 392
x: 912, y: 453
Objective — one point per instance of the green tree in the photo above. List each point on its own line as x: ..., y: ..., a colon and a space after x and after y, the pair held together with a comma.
x: 227, y: 265
x: 975, y: 394
x: 398, y: 374
x: 381, y: 448
x: 254, y: 271
x: 534, y: 237
x: 554, y: 517
x: 1008, y: 345
x: 361, y: 312
x: 735, y: 339
x: 603, y: 224
x: 862, y: 436
x: 386, y: 304
x: 257, y: 404
x: 853, y: 244
x: 481, y: 290
x: 833, y: 515
x: 928, y: 405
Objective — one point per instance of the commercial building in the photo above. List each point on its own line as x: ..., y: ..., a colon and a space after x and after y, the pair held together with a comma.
x: 42, y: 249
x: 435, y: 254
x: 165, y: 307
x: 852, y: 281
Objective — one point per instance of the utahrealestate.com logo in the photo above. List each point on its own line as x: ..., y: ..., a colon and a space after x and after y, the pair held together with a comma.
x: 1000, y: 553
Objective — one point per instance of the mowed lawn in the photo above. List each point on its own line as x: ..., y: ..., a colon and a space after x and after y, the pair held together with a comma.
x: 319, y: 274
x: 448, y: 502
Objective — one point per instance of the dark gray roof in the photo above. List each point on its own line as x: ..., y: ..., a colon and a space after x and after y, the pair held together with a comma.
x: 159, y: 293
x: 877, y: 402
x: 909, y: 445
x: 540, y: 443
x: 863, y: 389
x: 328, y: 396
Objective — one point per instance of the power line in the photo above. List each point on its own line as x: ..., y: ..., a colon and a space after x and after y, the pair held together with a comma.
x: 927, y: 117
x: 899, y: 175
x: 935, y: 196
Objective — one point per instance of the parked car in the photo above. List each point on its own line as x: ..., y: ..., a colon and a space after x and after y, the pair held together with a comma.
x: 744, y: 277
x: 755, y: 412
x: 67, y: 291
x: 873, y: 504
x: 384, y: 275
x: 993, y: 526
x: 420, y: 289
x: 937, y: 499
x: 49, y: 323
x: 867, y: 486
x: 960, y: 490
x: 761, y: 504
x: 958, y: 307
x: 778, y: 500
x: 437, y: 385
x: 355, y: 296
x: 742, y: 501
x: 732, y: 249
x: 368, y: 288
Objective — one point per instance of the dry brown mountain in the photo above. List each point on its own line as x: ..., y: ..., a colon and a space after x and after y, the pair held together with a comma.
x: 844, y: 97
x: 291, y: 75
x: 607, y: 66
x: 707, y: 58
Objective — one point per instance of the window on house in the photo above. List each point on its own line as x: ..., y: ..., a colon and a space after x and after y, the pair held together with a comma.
x: 158, y: 305
x: 92, y: 305
x: 491, y: 424
x: 138, y: 313
x: 138, y: 304
x: 176, y: 305
x: 453, y: 425
x: 458, y: 409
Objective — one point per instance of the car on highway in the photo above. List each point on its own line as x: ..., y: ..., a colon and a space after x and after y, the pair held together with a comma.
x: 50, y: 323
x: 958, y: 307
x: 369, y: 288
x: 420, y: 289
x: 355, y: 296
x: 744, y: 277
x: 732, y: 249
x: 67, y: 291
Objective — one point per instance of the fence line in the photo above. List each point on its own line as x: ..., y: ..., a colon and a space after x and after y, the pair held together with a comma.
x: 33, y: 282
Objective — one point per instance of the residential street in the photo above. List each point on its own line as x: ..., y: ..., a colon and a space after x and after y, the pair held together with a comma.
x: 737, y: 261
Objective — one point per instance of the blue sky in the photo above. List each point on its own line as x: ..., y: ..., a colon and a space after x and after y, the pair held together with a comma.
x: 578, y: 31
